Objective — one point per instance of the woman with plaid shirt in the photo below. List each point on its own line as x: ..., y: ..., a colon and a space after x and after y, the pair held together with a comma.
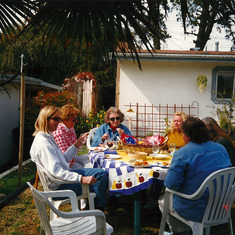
x: 65, y: 136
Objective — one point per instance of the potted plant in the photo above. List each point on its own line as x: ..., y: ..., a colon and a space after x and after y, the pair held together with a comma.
x: 201, y: 82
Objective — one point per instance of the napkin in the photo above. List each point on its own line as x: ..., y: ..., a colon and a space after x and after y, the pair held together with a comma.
x: 110, y: 152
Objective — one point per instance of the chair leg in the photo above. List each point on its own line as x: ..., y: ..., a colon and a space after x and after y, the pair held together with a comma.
x: 163, y: 224
x: 230, y: 227
x: 197, y: 230
x: 36, y: 180
x: 207, y: 230
x: 42, y: 232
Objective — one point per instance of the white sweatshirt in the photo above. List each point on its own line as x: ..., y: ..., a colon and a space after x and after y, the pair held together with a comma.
x: 45, y: 152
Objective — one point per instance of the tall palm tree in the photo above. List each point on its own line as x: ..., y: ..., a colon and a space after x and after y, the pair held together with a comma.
x: 108, y: 25
x: 13, y: 16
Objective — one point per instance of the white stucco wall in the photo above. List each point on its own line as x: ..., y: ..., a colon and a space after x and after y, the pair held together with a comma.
x: 9, y: 119
x: 166, y: 82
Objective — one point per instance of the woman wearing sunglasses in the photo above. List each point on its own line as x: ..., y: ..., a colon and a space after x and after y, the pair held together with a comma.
x: 111, y: 128
x: 45, y: 152
x: 65, y: 136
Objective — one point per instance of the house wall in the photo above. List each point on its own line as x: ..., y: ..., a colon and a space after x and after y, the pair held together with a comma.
x: 9, y: 119
x: 166, y: 82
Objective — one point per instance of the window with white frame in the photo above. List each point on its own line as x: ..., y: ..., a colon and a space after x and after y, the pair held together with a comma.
x: 223, y: 83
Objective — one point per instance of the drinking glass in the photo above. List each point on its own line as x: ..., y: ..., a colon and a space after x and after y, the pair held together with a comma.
x: 155, y: 149
x: 172, y: 147
x: 109, y: 142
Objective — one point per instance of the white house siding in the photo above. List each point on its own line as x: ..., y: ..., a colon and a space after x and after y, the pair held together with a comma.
x: 10, y: 114
x: 166, y: 82
x: 9, y: 119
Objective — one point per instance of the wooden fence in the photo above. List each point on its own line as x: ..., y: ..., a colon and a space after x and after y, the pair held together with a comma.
x: 85, y: 94
x: 153, y: 119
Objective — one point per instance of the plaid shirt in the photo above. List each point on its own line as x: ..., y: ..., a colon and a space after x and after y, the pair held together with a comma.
x: 64, y: 137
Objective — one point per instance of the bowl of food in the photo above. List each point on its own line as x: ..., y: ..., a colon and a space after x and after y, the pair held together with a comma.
x: 129, y: 148
x: 137, y: 155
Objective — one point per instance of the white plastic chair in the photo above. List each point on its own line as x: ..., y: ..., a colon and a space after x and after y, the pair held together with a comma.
x: 218, y: 210
x: 73, y: 222
x: 43, y: 173
x: 90, y: 138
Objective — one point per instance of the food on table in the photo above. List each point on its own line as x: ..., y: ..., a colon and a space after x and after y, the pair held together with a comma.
x: 110, y: 144
x: 135, y: 162
x: 166, y: 163
x: 137, y: 155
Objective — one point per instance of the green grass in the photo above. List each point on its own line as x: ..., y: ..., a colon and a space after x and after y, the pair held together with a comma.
x: 20, y: 216
x: 84, y: 150
x: 9, y: 183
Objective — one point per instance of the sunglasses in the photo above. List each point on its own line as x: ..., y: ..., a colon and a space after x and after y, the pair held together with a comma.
x: 113, y: 119
x: 56, y: 119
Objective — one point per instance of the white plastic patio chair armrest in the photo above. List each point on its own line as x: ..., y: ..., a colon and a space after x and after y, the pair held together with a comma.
x: 90, y: 196
x: 202, y: 187
x: 85, y: 188
x: 85, y: 213
x: 193, y: 196
x: 63, y: 193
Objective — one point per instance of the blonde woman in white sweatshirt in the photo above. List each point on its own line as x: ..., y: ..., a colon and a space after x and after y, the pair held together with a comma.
x: 44, y: 151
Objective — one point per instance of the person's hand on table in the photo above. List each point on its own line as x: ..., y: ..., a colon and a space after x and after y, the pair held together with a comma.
x: 105, y: 137
x: 88, y: 180
x: 120, y: 131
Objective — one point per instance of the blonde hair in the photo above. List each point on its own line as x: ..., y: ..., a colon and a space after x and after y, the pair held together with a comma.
x: 178, y: 113
x: 41, y: 123
x: 68, y: 111
x: 113, y: 110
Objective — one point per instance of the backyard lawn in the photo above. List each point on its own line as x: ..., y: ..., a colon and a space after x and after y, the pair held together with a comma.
x: 19, y: 215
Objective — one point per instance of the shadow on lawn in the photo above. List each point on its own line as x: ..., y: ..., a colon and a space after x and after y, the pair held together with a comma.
x: 120, y: 214
x: 19, y: 216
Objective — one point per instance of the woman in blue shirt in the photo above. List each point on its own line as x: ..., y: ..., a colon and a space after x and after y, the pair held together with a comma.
x: 111, y: 128
x: 190, y: 166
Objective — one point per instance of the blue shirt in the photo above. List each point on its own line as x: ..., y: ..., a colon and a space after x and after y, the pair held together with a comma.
x: 190, y: 165
x: 105, y: 128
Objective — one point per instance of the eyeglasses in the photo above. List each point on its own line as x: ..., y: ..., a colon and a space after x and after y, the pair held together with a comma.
x: 56, y: 119
x: 113, y: 119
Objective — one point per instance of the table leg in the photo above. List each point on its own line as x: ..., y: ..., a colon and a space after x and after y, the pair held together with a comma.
x: 137, y: 213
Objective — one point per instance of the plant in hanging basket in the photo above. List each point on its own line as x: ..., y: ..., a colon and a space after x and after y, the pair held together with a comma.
x: 202, y: 82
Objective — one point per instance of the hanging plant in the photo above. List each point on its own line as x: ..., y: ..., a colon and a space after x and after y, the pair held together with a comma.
x: 201, y: 82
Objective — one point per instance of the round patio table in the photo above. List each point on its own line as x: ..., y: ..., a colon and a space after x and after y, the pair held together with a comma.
x: 126, y: 179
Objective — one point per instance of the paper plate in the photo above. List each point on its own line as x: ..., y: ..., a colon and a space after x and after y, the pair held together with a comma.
x: 162, y: 165
x: 113, y: 156
x: 159, y: 156
x: 98, y: 149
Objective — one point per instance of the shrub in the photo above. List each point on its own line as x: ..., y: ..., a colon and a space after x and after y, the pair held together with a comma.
x: 95, y: 119
x: 55, y: 98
